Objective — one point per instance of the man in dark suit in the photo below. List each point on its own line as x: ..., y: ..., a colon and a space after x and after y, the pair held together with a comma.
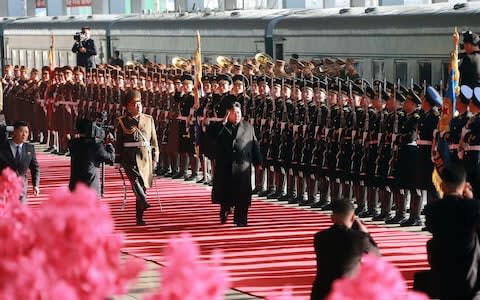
x: 340, y: 248
x: 86, y: 156
x: 19, y: 156
x: 237, y: 151
x: 85, y: 49
x: 454, y: 250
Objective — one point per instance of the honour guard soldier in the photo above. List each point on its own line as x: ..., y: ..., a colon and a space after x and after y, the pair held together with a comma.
x: 370, y: 152
x: 458, y: 123
x: 471, y: 144
x: 407, y: 152
x: 427, y: 124
x: 285, y: 151
x: 137, y: 149
x: 384, y: 155
x: 186, y: 148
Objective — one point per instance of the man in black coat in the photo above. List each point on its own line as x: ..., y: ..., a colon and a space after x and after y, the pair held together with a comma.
x: 470, y: 66
x: 85, y: 49
x: 340, y: 248
x: 86, y: 156
x: 19, y: 156
x: 454, y: 250
x: 237, y: 150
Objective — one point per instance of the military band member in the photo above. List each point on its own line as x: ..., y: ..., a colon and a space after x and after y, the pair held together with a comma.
x: 137, y: 149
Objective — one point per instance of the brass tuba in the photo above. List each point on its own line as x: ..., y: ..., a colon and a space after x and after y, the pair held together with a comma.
x: 180, y: 63
x: 223, y: 61
x: 263, y: 58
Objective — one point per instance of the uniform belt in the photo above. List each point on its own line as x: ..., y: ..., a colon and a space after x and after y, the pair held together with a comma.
x: 372, y: 142
x: 136, y: 144
x: 414, y: 143
x: 453, y: 146
x: 471, y: 148
x: 424, y: 142
x: 182, y: 118
x: 215, y: 119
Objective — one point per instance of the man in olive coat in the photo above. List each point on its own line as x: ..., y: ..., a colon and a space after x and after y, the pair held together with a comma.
x: 137, y: 149
x: 237, y: 151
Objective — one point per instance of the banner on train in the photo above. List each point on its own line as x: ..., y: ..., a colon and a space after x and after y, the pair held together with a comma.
x: 76, y: 3
x: 70, y: 3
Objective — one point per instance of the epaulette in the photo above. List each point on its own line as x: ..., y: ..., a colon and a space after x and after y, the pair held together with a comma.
x: 436, y: 113
x: 400, y: 113
x: 416, y: 116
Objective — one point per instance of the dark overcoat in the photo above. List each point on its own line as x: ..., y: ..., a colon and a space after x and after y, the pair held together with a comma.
x: 237, y: 151
x: 454, y: 250
x: 86, y: 157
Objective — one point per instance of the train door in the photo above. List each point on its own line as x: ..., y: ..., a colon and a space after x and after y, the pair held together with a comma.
x: 279, y: 51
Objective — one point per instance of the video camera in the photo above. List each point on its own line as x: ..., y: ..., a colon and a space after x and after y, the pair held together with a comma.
x: 97, y: 129
x: 4, y: 129
x: 79, y: 36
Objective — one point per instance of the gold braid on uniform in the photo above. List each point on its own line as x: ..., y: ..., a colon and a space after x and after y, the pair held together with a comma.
x: 125, y: 130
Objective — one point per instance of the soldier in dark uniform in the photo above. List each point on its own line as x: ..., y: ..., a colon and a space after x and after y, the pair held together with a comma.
x: 174, y: 95
x: 406, y: 157
x: 384, y: 156
x: 137, y: 149
x: 427, y: 124
x: 458, y: 123
x: 471, y: 144
x: 264, y: 109
x: 273, y: 175
x: 286, y: 143
x: 186, y: 148
x: 370, y: 152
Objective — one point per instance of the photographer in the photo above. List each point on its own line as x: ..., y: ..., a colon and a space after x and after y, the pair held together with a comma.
x: 339, y: 248
x: 85, y: 48
x: 87, y: 154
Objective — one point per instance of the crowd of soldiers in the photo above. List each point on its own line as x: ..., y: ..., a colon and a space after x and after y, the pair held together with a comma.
x: 324, y: 133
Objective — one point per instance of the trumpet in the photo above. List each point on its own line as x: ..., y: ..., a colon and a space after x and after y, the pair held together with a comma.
x: 223, y: 61
x: 181, y: 63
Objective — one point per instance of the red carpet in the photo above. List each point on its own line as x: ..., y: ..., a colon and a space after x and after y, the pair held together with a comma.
x: 274, y: 251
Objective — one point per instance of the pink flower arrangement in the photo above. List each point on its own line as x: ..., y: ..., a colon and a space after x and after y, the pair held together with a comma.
x: 66, y: 249
x: 11, y: 187
x: 376, y: 280
x: 186, y: 277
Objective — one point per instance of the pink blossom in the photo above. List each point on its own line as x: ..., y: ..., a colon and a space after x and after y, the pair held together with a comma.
x: 69, y: 241
x: 11, y: 187
x: 376, y: 280
x: 186, y: 277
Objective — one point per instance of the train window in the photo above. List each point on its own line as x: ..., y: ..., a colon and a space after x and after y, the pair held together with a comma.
x: 401, y: 72
x: 425, y: 72
x: 378, y: 69
x: 45, y: 58
x: 72, y: 59
x: 14, y: 60
x: 359, y: 67
x: 279, y: 51
x: 21, y: 58
x: 30, y: 59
